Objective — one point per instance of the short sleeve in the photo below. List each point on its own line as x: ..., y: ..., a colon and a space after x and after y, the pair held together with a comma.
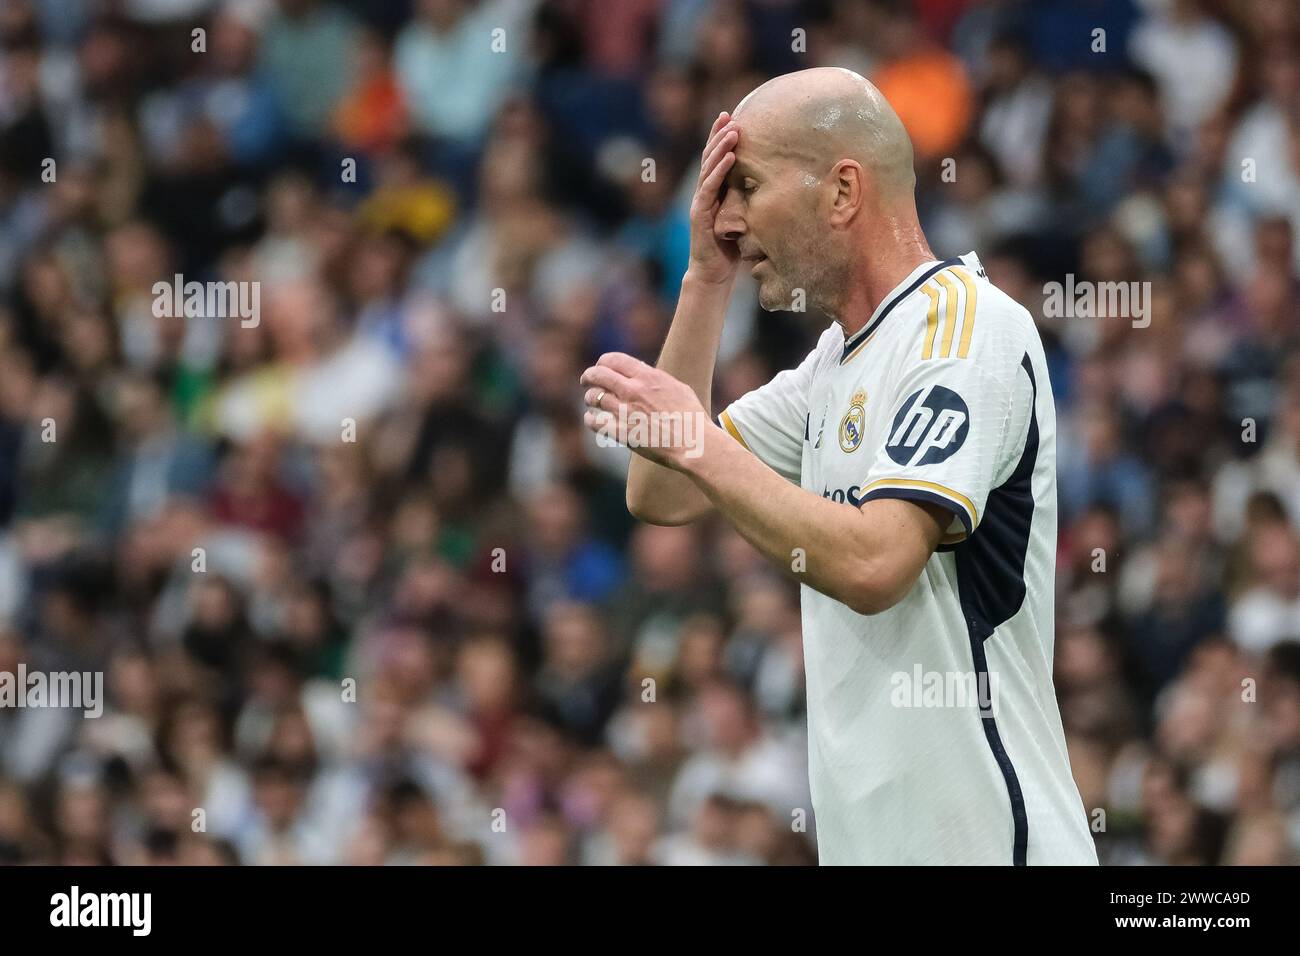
x: 955, y: 430
x: 772, y: 421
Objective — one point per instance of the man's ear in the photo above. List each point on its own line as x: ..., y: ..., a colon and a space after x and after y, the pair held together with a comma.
x: 849, y: 180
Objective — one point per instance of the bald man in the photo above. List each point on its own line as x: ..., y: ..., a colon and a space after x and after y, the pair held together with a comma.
x: 904, y: 474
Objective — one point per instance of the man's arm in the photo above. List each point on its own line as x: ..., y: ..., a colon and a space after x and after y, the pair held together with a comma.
x: 867, y: 558
x: 657, y: 494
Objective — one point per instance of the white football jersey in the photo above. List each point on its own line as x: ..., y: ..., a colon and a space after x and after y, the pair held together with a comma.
x: 934, y: 733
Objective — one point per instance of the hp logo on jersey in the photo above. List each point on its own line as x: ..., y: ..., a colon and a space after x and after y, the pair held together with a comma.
x: 929, y: 428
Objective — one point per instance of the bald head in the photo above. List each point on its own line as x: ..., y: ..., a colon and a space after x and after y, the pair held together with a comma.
x: 820, y: 196
x: 821, y: 116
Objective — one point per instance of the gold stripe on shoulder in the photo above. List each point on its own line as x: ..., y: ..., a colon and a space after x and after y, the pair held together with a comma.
x: 950, y: 314
x: 968, y: 319
x: 931, y: 320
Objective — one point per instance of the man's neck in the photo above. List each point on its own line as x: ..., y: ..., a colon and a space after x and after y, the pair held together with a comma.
x: 898, y: 251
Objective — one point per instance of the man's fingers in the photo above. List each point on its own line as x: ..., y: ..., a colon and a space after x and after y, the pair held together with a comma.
x: 710, y: 147
x: 724, y: 144
x: 714, y: 136
x: 622, y: 363
x: 599, y: 421
x: 712, y: 184
x: 602, y: 377
x: 611, y: 377
x: 723, y: 119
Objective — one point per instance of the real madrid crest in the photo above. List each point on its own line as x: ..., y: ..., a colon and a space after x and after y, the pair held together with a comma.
x: 853, y: 422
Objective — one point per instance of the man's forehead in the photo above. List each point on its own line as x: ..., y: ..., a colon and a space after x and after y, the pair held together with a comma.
x: 764, y: 142
x: 804, y: 117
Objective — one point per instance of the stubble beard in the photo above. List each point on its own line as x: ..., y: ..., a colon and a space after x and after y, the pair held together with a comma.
x: 819, y: 275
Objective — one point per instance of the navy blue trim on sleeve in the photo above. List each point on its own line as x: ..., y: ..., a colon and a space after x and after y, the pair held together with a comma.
x: 918, y: 494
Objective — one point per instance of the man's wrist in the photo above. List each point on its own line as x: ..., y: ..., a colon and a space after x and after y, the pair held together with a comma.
x: 696, y: 280
x: 701, y: 462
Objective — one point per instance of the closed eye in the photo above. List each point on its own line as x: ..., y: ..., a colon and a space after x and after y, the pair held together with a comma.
x: 745, y: 185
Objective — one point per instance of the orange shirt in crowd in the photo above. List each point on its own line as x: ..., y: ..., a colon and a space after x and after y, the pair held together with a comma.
x: 372, y: 117
x: 929, y: 91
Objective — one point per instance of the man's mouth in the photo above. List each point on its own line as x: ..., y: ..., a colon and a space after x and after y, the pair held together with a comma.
x: 754, y: 259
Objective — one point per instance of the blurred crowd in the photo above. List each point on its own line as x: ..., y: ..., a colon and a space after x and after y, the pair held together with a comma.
x: 363, y: 588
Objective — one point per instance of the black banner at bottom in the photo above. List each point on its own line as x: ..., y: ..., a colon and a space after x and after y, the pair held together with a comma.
x: 216, y: 906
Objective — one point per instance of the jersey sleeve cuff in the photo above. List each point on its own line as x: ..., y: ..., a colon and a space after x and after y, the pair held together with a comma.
x: 913, y: 489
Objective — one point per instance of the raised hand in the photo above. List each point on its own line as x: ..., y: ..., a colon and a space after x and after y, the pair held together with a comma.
x: 645, y: 408
x: 712, y: 259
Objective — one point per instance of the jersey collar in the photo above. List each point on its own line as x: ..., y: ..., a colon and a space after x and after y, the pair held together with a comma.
x: 901, y: 291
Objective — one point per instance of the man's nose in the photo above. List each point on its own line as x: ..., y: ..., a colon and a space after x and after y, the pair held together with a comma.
x: 729, y: 224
